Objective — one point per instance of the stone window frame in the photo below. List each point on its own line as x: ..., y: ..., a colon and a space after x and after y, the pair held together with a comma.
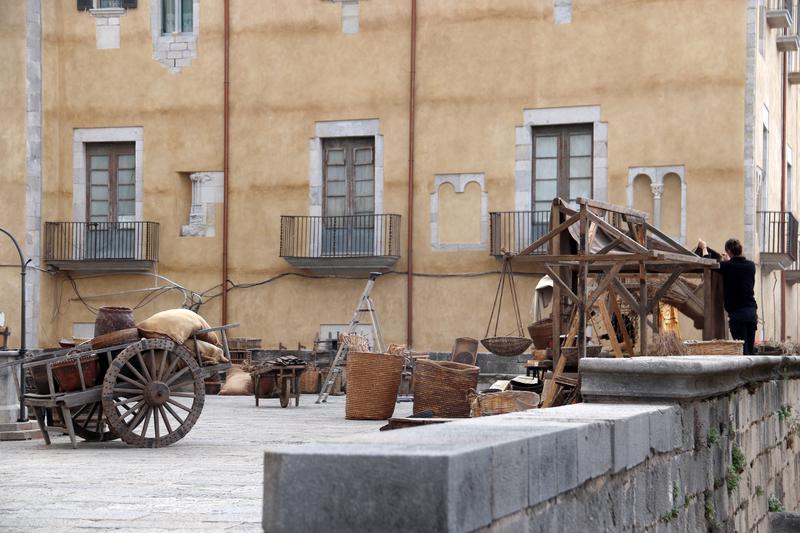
x: 559, y: 116
x: 174, y: 50
x: 562, y: 11
x: 459, y: 183
x: 207, y: 191
x: 80, y: 137
x: 342, y: 128
x: 656, y: 175
x: 350, y: 15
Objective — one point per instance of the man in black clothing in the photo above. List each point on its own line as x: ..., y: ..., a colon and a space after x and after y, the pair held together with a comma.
x: 738, y: 281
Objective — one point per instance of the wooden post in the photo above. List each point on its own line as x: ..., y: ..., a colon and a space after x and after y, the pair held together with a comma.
x: 582, y: 275
x: 642, y: 308
x: 554, y: 248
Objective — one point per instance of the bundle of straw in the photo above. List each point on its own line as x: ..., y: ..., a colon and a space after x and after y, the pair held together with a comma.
x: 667, y: 343
x: 355, y: 342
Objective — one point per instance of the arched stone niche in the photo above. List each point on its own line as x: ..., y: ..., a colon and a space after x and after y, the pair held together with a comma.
x: 668, y: 193
x: 460, y: 213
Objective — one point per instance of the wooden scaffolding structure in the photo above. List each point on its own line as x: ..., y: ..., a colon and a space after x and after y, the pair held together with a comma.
x: 608, y: 244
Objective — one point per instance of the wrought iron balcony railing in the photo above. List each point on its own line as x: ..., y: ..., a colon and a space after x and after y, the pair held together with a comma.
x: 777, y: 238
x: 111, y: 245
x: 355, y: 242
x: 513, y: 231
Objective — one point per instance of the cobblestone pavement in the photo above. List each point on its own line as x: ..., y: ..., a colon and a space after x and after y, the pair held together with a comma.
x: 211, y: 480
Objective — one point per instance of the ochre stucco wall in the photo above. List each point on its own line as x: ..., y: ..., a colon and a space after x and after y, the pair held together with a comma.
x: 12, y: 157
x: 668, y: 77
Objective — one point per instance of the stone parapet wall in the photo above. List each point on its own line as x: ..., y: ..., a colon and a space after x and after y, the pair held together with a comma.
x: 712, y: 460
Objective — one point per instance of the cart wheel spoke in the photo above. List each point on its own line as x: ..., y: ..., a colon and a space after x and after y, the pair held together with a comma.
x: 173, y: 394
x: 121, y: 391
x: 132, y: 382
x: 136, y: 372
x: 173, y: 413
x: 144, y: 367
x: 155, y: 424
x: 127, y: 401
x: 178, y: 404
x: 164, y: 417
x: 160, y: 372
x: 176, y: 375
x: 171, y: 368
x: 91, y: 413
x: 132, y: 409
x: 149, y: 412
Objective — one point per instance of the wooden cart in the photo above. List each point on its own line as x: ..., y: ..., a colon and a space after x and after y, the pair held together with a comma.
x: 286, y: 379
x: 148, y: 393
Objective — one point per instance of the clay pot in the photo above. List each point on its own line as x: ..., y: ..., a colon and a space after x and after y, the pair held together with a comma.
x: 110, y: 319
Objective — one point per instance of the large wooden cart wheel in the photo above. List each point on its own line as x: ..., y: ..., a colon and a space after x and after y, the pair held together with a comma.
x: 153, y: 393
x: 286, y: 391
x: 90, y: 423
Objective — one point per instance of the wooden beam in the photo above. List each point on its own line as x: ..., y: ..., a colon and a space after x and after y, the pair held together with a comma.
x: 610, y: 246
x: 564, y: 287
x: 664, y: 289
x: 626, y: 295
x: 667, y: 239
x: 617, y: 233
x: 627, y: 342
x: 643, y: 309
x: 690, y: 259
x: 550, y: 234
x: 625, y: 258
x: 612, y: 334
x: 611, y: 207
x: 604, y: 283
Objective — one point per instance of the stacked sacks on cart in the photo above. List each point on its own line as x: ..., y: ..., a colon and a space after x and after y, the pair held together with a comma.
x: 180, y: 326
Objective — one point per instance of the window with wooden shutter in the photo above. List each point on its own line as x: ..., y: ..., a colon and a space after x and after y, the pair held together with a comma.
x: 85, y: 5
x: 562, y: 164
x: 348, y: 196
x: 177, y: 16
x: 111, y: 182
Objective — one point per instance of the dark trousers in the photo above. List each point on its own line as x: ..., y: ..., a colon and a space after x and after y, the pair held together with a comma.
x: 742, y: 330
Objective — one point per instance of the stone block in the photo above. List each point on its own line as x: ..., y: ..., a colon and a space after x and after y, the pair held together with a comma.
x: 388, y: 488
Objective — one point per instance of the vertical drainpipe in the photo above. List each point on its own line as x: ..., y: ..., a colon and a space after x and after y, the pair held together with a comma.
x: 784, y: 60
x: 225, y: 166
x: 410, y: 223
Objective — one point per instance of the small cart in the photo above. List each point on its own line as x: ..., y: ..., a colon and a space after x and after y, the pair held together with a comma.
x: 149, y: 393
x: 285, y: 379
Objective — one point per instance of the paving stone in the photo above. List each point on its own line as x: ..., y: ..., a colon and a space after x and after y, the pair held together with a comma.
x: 211, y: 480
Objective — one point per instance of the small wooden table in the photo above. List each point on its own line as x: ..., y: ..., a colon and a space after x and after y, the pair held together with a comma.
x: 538, y: 369
x: 287, y: 382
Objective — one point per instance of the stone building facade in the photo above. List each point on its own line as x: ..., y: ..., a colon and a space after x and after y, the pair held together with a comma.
x: 113, y: 150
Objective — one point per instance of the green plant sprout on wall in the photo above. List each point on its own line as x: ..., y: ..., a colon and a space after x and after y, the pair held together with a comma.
x: 775, y: 505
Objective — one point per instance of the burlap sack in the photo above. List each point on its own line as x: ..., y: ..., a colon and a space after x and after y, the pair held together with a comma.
x: 237, y: 383
x: 176, y: 324
x: 209, y: 354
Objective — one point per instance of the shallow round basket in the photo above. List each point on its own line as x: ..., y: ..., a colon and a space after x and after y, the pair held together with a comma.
x: 506, y: 346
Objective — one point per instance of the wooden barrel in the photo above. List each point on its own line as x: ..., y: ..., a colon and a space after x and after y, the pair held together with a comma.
x: 110, y: 319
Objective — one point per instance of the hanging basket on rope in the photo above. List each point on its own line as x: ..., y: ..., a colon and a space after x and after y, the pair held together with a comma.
x: 515, y: 343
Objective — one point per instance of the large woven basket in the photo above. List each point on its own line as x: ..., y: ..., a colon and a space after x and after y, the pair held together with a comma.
x: 443, y: 387
x: 498, y: 403
x: 506, y: 346
x: 372, y: 383
x: 309, y: 381
x: 715, y: 347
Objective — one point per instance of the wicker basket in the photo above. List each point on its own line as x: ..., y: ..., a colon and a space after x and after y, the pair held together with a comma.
x: 506, y: 346
x: 309, y: 381
x: 372, y: 383
x: 444, y: 387
x: 498, y: 403
x: 715, y: 347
